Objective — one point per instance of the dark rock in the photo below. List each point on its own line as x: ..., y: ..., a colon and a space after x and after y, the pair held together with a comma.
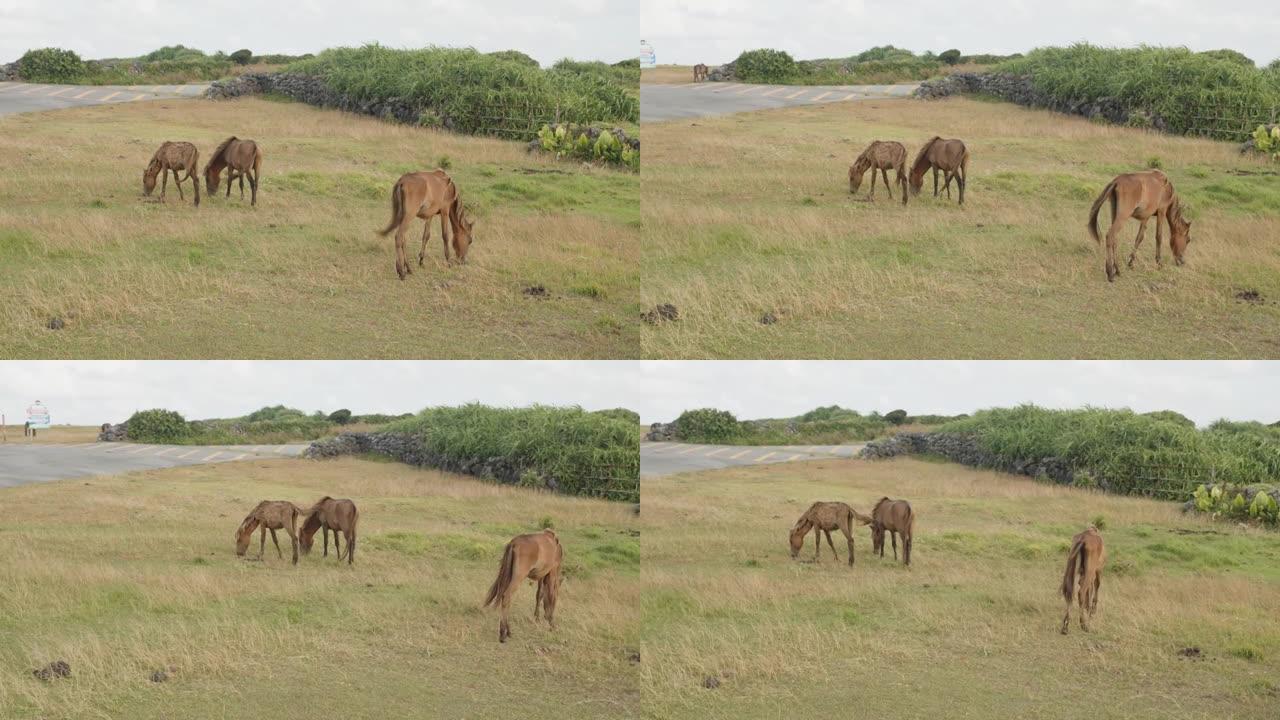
x: 114, y: 433
x: 661, y: 432
x: 768, y: 318
x: 1253, y: 297
x: 536, y: 291
x: 633, y: 656
x: 660, y: 313
x: 56, y: 323
x: 159, y: 676
x: 711, y: 682
x: 1191, y: 652
x: 55, y: 669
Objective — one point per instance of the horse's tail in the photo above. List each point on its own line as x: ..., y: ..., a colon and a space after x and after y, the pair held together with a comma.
x: 1107, y: 192
x: 257, y: 162
x: 397, y: 209
x: 506, y: 575
x: 1076, y: 556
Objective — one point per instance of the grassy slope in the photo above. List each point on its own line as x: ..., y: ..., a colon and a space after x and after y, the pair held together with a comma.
x: 751, y: 213
x: 122, y: 575
x: 970, y: 630
x: 56, y: 435
x: 305, y: 274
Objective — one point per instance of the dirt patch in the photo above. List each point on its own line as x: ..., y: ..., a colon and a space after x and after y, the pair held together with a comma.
x: 1188, y: 531
x: 55, y: 669
x: 56, y: 323
x: 661, y: 313
x: 768, y: 318
x: 1252, y: 297
x: 540, y: 171
x: 537, y: 291
x: 1253, y: 172
x: 711, y: 682
x: 1193, y: 653
x: 159, y: 676
x: 633, y: 656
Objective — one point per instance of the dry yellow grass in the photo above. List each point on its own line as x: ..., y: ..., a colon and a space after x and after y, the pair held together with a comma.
x: 120, y: 576
x: 304, y: 274
x: 667, y: 75
x: 750, y: 213
x: 970, y: 629
x: 58, y: 434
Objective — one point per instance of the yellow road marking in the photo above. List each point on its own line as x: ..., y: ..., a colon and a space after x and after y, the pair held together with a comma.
x: 717, y: 451
x: 793, y: 96
x: 848, y: 97
x: 210, y: 457
x: 110, y: 96
x: 691, y: 448
x: 794, y: 457
x: 86, y: 92
x: 751, y: 88
x: 764, y: 457
x: 55, y: 93
x: 774, y: 91
x: 165, y: 451
x: 139, y: 96
x: 735, y: 457
x: 241, y: 456
x: 822, y: 96
x: 188, y: 454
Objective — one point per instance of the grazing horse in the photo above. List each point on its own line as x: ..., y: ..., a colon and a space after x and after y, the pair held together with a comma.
x: 880, y: 155
x: 536, y: 556
x: 330, y: 514
x: 270, y: 515
x: 1085, y: 559
x: 241, y: 158
x: 172, y: 157
x: 425, y: 195
x: 894, y: 516
x: 1140, y: 195
x: 699, y: 72
x: 949, y: 156
x: 822, y: 518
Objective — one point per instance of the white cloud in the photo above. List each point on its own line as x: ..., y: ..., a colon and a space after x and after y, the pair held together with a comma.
x: 583, y: 29
x: 715, y: 31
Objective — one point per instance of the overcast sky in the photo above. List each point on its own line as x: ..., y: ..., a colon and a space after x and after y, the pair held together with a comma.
x: 685, y: 32
x: 91, y: 393
x: 583, y: 29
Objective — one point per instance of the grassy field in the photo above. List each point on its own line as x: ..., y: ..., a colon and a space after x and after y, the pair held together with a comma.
x: 304, y: 274
x: 122, y: 576
x: 56, y: 435
x: 970, y: 630
x: 667, y: 75
x: 751, y: 214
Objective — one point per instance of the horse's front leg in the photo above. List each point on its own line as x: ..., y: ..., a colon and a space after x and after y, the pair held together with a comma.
x: 277, y: 543
x: 426, y: 235
x: 444, y: 234
x: 884, y: 173
x: 935, y: 181
x: 164, y: 183
x: 262, y: 542
x: 1142, y: 231
x: 872, y: 195
x: 324, y: 529
x: 1161, y: 219
x: 831, y: 545
x: 817, y: 544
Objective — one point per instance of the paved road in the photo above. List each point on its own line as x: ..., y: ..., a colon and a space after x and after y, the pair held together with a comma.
x: 22, y: 463
x: 23, y: 97
x: 664, y: 458
x: 704, y: 99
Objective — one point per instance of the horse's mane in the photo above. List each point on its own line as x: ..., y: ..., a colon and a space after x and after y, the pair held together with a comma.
x: 216, y: 157
x: 920, y: 164
x: 882, y: 500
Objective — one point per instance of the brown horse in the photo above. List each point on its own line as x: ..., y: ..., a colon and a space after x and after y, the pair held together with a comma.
x: 172, y: 157
x: 949, y: 156
x: 880, y: 155
x: 699, y: 72
x: 822, y: 518
x: 241, y: 157
x: 894, y: 516
x: 1140, y: 195
x: 270, y: 515
x: 1085, y: 559
x: 330, y: 514
x: 425, y: 195
x: 536, y: 556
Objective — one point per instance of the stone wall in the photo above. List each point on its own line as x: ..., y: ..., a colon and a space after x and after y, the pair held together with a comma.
x: 1019, y: 89
x: 661, y: 432
x: 9, y: 73
x: 312, y: 90
x: 114, y: 433
x: 966, y: 450
x: 409, y: 449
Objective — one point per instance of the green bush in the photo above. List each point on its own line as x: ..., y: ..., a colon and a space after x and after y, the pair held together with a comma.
x: 897, y: 417
x: 628, y: 416
x: 707, y: 425
x: 1171, y: 416
x: 158, y: 426
x: 241, y: 57
x: 574, y: 142
x: 50, y: 65
x: 586, y: 453
x: 625, y: 75
x: 765, y: 65
x: 1233, y: 56
x: 172, y: 52
x: 950, y: 57
x: 515, y: 56
x: 340, y: 417
x: 474, y: 92
x: 1267, y: 143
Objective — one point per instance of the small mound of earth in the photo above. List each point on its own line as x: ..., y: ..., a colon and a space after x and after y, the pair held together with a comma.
x: 768, y: 318
x: 1253, y: 297
x: 633, y: 656
x: 536, y: 291
x: 1191, y: 652
x: 55, y: 669
x: 711, y: 682
x: 159, y: 676
x: 661, y: 313
x: 56, y: 323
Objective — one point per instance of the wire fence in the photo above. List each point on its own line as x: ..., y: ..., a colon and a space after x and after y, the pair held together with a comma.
x: 520, y: 121
x: 1174, y: 481
x: 1235, y: 123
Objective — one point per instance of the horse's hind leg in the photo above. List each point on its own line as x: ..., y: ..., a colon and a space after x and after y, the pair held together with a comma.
x: 935, y: 181
x: 549, y: 599
x: 426, y: 235
x: 831, y: 545
x: 1142, y: 231
x: 884, y: 173
x: 177, y: 182
x: 1093, y: 598
x: 537, y: 600
x: 277, y: 543
x: 893, y: 537
x: 293, y: 536
x: 1066, y: 618
x: 402, y: 264
x: 1113, y: 269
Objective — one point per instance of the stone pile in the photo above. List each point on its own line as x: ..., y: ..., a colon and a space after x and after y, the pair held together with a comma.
x: 965, y: 449
x: 114, y: 433
x: 409, y: 449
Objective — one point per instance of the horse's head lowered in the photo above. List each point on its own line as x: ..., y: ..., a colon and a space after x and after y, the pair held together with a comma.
x: 244, y: 532
x: 149, y: 176
x: 463, y: 234
x: 1180, y: 235
x: 798, y: 531
x: 856, y: 171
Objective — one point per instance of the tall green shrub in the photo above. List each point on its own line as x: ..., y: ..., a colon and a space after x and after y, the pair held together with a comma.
x: 51, y: 65
x: 707, y: 425
x: 765, y: 65
x: 158, y: 426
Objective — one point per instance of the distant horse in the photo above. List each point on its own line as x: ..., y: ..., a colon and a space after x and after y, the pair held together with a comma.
x: 949, y: 156
x: 1085, y: 559
x: 894, y: 516
x: 822, y: 518
x: 425, y: 195
x: 270, y: 515
x: 1140, y: 195
x: 699, y: 72
x: 536, y: 556
x: 242, y: 158
x: 172, y: 157
x: 882, y: 155
x: 330, y: 514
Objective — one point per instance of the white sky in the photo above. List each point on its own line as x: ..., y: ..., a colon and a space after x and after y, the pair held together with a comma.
x: 91, y: 393
x: 583, y: 29
x: 714, y: 31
